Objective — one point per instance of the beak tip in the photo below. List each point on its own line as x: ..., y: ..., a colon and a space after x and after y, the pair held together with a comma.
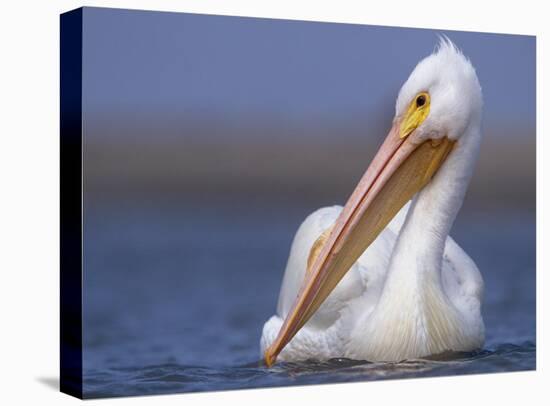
x: 269, y: 357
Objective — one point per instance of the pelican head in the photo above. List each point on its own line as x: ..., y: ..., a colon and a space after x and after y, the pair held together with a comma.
x: 441, y: 97
x: 438, y: 108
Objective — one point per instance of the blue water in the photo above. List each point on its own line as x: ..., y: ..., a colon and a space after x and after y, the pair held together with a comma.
x: 175, y: 299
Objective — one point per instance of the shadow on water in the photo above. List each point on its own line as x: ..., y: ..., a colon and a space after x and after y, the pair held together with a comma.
x: 172, y: 377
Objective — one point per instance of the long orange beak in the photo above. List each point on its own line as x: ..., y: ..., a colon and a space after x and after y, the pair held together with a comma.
x: 398, y: 171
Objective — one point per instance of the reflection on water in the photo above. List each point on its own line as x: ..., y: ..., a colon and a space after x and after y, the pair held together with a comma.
x: 175, y: 300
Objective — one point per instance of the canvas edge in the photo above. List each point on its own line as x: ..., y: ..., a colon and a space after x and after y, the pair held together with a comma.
x: 71, y: 24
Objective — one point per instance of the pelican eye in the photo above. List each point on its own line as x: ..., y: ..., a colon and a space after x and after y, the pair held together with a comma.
x: 416, y: 113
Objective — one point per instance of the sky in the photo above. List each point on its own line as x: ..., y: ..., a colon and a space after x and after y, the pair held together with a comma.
x: 177, y: 68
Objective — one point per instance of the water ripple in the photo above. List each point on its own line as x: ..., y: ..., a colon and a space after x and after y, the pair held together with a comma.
x: 172, y: 377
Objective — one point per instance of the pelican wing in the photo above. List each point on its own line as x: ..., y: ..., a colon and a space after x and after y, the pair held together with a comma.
x: 308, y: 233
x: 463, y: 285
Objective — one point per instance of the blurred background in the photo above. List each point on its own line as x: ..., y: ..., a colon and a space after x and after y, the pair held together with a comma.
x: 208, y: 139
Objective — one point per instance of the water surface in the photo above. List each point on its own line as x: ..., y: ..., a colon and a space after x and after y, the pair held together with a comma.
x: 175, y: 299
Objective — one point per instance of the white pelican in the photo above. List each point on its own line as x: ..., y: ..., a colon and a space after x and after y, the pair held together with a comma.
x: 381, y: 279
